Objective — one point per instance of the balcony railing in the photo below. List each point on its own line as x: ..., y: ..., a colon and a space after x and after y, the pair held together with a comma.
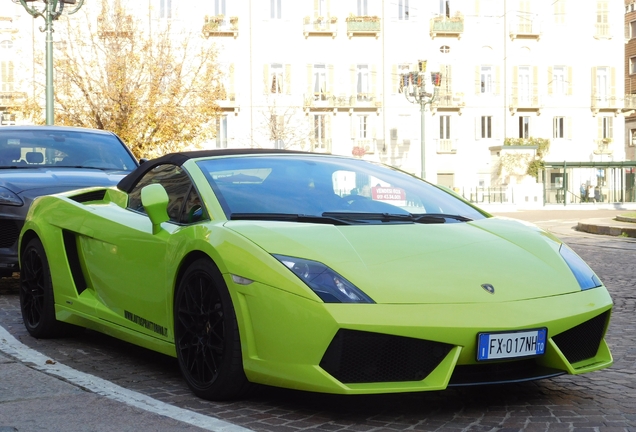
x: 446, y: 145
x: 220, y: 25
x: 321, y: 145
x: 604, y: 101
x: 604, y: 146
x: 362, y: 146
x: 363, y: 25
x: 449, y: 100
x: 630, y: 101
x: 117, y: 26
x: 447, y: 26
x: 329, y: 100
x: 7, y: 25
x: 320, y: 26
x: 11, y: 98
x: 526, y: 27
x: 602, y: 31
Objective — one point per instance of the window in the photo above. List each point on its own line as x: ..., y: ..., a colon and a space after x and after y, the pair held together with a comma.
x: 221, y: 131
x: 602, y: 18
x: 444, y: 7
x: 632, y: 141
x: 277, y: 130
x: 219, y: 7
x: 320, y: 132
x: 486, y: 127
x: 632, y: 65
x: 607, y: 131
x: 524, y: 127
x: 276, y: 78
x: 559, y: 11
x: 363, y: 7
x: 7, y: 78
x: 184, y: 204
x: 486, y: 80
x: 559, y: 81
x: 275, y: 9
x: 524, y: 85
x: 405, y: 77
x: 320, y: 82
x: 362, y: 82
x: 165, y: 9
x: 444, y: 49
x: 632, y: 30
x: 444, y: 127
x: 320, y: 8
x: 602, y: 84
x: 403, y: 10
x: 363, y: 127
x: 558, y: 127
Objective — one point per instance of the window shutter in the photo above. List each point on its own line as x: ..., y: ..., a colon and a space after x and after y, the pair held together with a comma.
x: 288, y: 80
x: 395, y: 79
x: 613, y: 84
x: 495, y: 127
x: 447, y: 76
x: 570, y: 83
x: 374, y: 81
x: 232, y: 80
x: 599, y: 127
x: 478, y: 79
x: 310, y: 80
x: 535, y: 83
x: 478, y: 127
x: 594, y: 95
x: 550, y: 80
x: 266, y: 84
x: 352, y: 70
x: 316, y: 8
x: 497, y: 80
x: 610, y: 127
x: 330, y: 72
x: 515, y: 79
x: 353, y: 122
x: 568, y: 127
x: 477, y: 8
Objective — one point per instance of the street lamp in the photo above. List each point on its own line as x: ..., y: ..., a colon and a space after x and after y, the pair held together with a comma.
x: 51, y: 11
x: 415, y: 91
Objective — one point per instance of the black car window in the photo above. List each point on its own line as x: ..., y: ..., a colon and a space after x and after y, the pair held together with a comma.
x: 184, y: 203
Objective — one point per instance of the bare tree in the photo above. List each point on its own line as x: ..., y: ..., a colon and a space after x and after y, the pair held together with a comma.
x: 285, y: 126
x: 157, y: 91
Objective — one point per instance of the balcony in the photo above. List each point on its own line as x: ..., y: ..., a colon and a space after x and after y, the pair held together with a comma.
x: 227, y: 102
x: 363, y: 146
x: 605, y: 103
x: 526, y: 26
x: 6, y: 25
x: 446, y: 146
x: 114, y: 26
x: 320, y: 26
x: 443, y: 26
x: 321, y: 145
x: 602, y: 31
x: 329, y: 102
x: 363, y: 25
x: 604, y: 146
x: 220, y: 25
x: 525, y: 103
x: 11, y: 99
x: 447, y: 101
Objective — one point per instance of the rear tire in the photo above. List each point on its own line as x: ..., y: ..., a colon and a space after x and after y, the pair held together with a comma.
x: 206, y: 334
x: 37, y: 301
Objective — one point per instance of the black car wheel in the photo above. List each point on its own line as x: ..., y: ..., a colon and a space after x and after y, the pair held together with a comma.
x: 36, y: 294
x: 206, y: 334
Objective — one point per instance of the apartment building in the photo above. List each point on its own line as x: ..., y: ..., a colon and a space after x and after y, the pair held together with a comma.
x: 332, y: 76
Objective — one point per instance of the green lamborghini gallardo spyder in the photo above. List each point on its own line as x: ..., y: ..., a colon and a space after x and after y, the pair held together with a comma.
x: 315, y: 272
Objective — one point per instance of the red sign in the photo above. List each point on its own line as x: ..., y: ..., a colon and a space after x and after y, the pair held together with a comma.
x: 388, y: 193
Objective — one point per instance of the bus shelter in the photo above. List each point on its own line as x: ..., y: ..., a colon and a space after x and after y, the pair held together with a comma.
x: 583, y: 182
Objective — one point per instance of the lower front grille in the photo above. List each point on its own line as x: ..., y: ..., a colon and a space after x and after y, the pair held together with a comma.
x: 9, y: 233
x: 582, y: 342
x: 500, y: 373
x: 362, y: 357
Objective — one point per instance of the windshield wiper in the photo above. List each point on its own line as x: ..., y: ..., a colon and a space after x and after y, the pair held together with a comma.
x: 438, y: 218
x: 361, y: 217
x: 291, y: 217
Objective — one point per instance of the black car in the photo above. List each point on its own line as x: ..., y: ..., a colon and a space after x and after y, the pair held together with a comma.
x: 44, y: 160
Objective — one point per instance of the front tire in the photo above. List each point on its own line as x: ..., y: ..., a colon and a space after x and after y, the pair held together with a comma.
x: 206, y: 334
x: 37, y: 301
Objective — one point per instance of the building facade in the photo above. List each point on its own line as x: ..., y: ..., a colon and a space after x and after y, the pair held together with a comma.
x: 331, y: 76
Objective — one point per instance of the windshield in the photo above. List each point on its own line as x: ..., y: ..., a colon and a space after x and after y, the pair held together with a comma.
x: 53, y: 148
x: 271, y: 186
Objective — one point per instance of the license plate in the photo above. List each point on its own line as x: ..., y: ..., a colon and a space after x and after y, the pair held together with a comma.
x: 493, y: 346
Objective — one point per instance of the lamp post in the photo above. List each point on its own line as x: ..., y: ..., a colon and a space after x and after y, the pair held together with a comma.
x: 51, y: 11
x: 415, y: 92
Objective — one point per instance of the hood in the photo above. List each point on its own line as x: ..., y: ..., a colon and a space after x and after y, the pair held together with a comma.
x: 434, y: 263
x: 45, y: 181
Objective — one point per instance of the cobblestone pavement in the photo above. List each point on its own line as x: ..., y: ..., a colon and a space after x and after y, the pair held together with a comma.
x: 599, y: 401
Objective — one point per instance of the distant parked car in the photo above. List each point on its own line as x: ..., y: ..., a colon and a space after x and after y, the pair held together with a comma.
x: 43, y: 160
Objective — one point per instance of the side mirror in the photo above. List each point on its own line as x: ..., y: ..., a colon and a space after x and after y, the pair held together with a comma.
x: 154, y: 198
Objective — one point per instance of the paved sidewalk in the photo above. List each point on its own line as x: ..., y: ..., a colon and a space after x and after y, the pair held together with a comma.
x: 619, y: 226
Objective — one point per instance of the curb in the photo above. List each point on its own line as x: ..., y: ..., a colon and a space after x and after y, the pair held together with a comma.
x: 619, y: 231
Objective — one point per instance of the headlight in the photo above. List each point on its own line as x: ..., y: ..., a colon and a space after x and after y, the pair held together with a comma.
x: 326, y: 283
x: 582, y: 272
x: 9, y: 198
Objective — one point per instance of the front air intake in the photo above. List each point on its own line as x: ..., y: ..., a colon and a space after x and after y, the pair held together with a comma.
x: 582, y: 342
x: 362, y: 357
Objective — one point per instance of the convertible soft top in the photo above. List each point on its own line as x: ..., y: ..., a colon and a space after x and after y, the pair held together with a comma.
x: 128, y: 183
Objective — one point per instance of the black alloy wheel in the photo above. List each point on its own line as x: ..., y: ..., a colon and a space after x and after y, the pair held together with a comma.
x: 36, y: 293
x: 206, y: 334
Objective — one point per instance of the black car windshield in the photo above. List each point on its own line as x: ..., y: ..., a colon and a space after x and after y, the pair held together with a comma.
x: 29, y: 148
x: 331, y: 187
